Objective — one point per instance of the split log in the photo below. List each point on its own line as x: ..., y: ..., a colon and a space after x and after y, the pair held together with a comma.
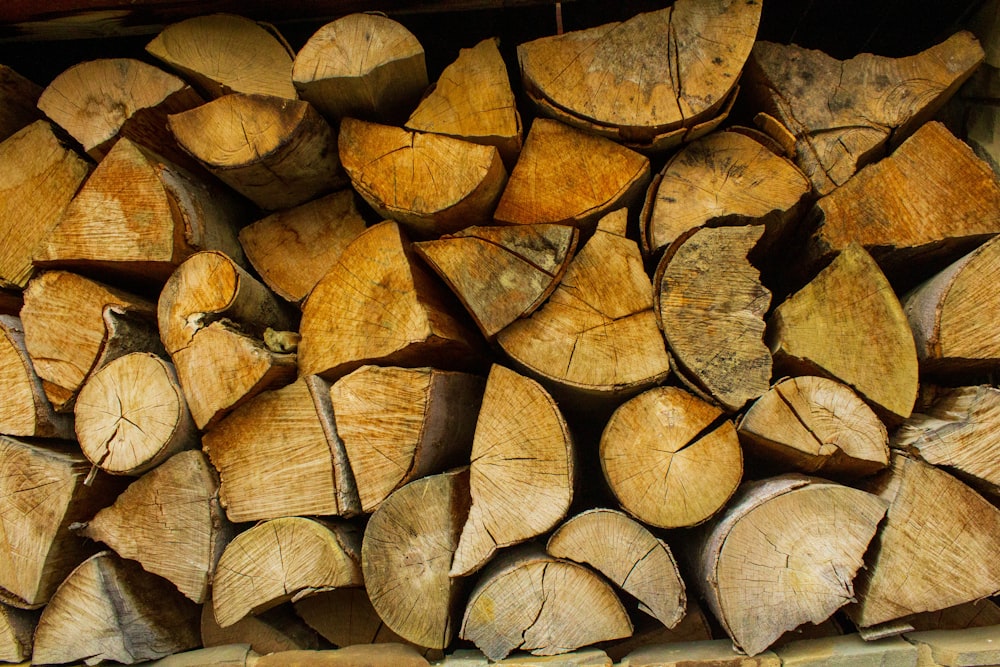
x: 38, y: 178
x: 845, y: 114
x: 959, y: 431
x: 977, y: 614
x: 783, y: 553
x: 17, y: 630
x: 569, y: 177
x: 672, y: 460
x: 710, y: 304
x: 501, y: 273
x: 73, y: 326
x: 937, y: 547
x: 222, y: 368
x: 725, y: 178
x: 276, y: 152
x: 280, y: 455
x: 693, y: 627
x: 400, y: 424
x: 345, y: 617
x: 223, y: 54
x: 396, y: 655
x: 430, y: 183
x: 210, y: 286
x: 408, y: 547
x: 816, y: 426
x: 98, y: 101
x: 111, y: 609
x: 232, y: 655
x: 630, y: 556
x: 281, y: 560
x: 170, y: 521
x: 926, y: 204
x: 137, y: 217
x: 379, y: 305
x: 653, y: 81
x: 25, y: 410
x: 527, y: 600
x: 274, y: 630
x: 18, y: 100
x: 945, y: 314
x: 848, y: 325
x: 595, y: 340
x: 361, y: 66
x: 522, y: 473
x: 131, y: 415
x: 293, y: 249
x: 472, y: 100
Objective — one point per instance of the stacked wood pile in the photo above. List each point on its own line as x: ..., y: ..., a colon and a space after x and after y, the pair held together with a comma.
x: 314, y: 349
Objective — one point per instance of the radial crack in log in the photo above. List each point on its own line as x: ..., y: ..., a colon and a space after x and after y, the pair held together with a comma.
x: 528, y: 600
x: 624, y: 79
x: 815, y: 425
x: 710, y: 304
x: 430, y: 183
x: 25, y: 410
x: 629, y: 555
x: 596, y: 338
x: 671, y: 459
x: 523, y: 469
x: 283, y: 559
x: 783, y: 553
x: 362, y: 65
x: 844, y: 114
x: 223, y: 54
x: 501, y: 274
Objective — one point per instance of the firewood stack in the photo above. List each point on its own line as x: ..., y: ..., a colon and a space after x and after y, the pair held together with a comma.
x: 307, y: 350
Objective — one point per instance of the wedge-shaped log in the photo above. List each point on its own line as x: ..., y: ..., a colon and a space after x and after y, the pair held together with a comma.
x: 111, y: 609
x: 725, y: 178
x: 281, y: 560
x: 38, y: 178
x: 830, y: 326
x: 277, y: 629
x: 138, y: 216
x: 501, y: 273
x: 170, y: 521
x: 363, y: 66
x: 816, y: 426
x: 528, y: 600
x: 960, y: 431
x: 672, y: 460
x: 845, y: 114
x: 99, y: 101
x: 279, y: 455
x: 977, y: 614
x: 379, y: 305
x: 940, y: 537
x: 397, y: 655
x: 945, y: 313
x: 625, y: 552
x: 651, y: 81
x: 293, y: 249
x: 345, y: 617
x: 223, y: 54
x: 208, y: 287
x: 783, y: 553
x: 17, y: 632
x: 231, y: 655
x: 596, y: 338
x: 523, y: 469
x: 74, y: 326
x: 569, y: 177
x: 710, y: 304
x: 18, y: 100
x: 131, y: 415
x: 276, y: 152
x: 693, y: 627
x: 25, y: 410
x: 400, y: 424
x: 927, y: 203
x: 407, y: 551
x: 430, y: 183
x: 472, y: 100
